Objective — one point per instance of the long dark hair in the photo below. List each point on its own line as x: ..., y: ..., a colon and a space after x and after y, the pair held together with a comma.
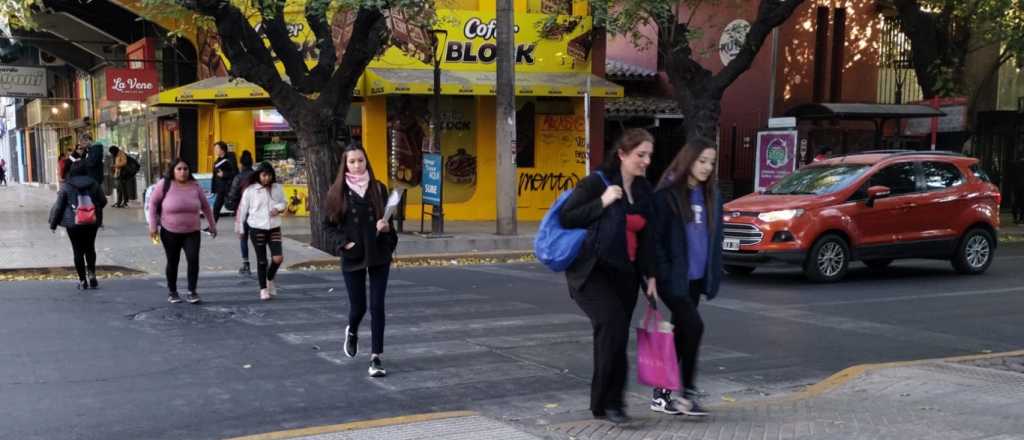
x: 246, y: 159
x: 169, y: 176
x: 336, y: 195
x: 628, y: 142
x: 676, y: 179
x: 263, y: 167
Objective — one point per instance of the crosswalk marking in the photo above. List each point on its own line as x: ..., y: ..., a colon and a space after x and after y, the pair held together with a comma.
x: 338, y: 312
x: 439, y: 326
x: 406, y: 351
x: 399, y: 380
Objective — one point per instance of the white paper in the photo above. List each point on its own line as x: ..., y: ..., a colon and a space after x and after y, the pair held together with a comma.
x: 392, y: 205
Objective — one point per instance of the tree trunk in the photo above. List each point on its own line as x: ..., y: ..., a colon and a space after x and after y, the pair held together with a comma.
x: 702, y: 119
x: 322, y: 161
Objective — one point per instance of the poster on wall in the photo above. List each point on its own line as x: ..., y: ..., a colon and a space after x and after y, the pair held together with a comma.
x: 297, y: 199
x: 458, y: 147
x: 22, y: 82
x: 776, y: 157
x: 432, y: 179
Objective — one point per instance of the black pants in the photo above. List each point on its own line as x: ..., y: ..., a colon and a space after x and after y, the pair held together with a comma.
x: 244, y: 243
x: 608, y: 297
x: 83, y: 244
x: 355, y: 283
x: 1018, y: 205
x: 174, y: 243
x: 218, y: 204
x: 122, y: 190
x: 3, y: 179
x: 689, y: 330
x: 261, y: 240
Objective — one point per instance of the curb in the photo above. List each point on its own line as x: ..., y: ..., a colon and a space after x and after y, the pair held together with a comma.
x: 352, y: 426
x: 66, y: 273
x: 425, y: 260
x: 854, y: 372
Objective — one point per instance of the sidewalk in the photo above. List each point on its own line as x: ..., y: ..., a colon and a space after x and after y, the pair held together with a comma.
x: 974, y: 397
x: 26, y: 241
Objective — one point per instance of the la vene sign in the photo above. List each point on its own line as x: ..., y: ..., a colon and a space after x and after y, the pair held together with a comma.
x: 131, y: 84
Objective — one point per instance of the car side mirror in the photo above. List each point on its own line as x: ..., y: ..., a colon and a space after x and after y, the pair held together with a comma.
x: 875, y: 193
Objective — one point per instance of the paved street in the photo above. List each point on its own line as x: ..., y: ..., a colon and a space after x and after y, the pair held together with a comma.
x: 504, y: 341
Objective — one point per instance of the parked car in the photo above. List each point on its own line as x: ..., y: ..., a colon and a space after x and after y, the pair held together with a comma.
x: 873, y: 207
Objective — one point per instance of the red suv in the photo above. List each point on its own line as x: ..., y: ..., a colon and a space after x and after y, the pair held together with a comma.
x: 873, y: 207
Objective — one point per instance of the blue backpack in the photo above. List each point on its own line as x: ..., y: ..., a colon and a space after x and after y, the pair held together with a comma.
x: 554, y: 245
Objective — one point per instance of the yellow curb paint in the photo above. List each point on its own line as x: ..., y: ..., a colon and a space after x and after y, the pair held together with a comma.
x: 846, y: 375
x: 352, y: 426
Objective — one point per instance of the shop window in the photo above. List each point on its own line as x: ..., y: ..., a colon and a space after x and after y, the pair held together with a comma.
x: 277, y: 143
x: 526, y: 118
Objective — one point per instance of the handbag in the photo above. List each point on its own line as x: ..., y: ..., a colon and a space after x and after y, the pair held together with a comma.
x: 657, y: 364
x: 556, y: 247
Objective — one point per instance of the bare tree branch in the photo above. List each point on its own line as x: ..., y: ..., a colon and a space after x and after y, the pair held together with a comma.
x: 273, y: 25
x: 316, y: 16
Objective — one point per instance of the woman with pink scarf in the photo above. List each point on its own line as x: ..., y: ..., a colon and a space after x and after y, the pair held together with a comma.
x: 365, y: 241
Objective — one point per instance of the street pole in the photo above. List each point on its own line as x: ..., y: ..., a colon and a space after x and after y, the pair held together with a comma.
x: 506, y: 120
x: 586, y: 123
x: 774, y: 72
x: 437, y: 217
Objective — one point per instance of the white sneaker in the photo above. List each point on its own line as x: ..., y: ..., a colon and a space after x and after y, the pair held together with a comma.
x: 264, y: 295
x: 271, y: 288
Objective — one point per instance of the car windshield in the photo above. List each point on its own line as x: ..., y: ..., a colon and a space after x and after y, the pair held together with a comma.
x: 818, y: 179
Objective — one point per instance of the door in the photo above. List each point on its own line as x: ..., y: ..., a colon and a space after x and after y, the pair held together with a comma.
x: 888, y: 219
x: 942, y: 202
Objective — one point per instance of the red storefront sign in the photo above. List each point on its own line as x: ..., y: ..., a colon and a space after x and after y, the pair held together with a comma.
x: 131, y: 84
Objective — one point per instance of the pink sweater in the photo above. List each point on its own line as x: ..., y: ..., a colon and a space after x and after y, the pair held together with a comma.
x: 180, y: 208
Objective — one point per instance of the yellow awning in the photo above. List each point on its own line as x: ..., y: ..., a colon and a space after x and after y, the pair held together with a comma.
x: 381, y: 81
x: 218, y: 89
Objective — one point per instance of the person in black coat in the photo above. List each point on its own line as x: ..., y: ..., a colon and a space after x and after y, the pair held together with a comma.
x: 616, y: 257
x: 689, y: 260
x: 365, y: 241
x: 234, y: 196
x: 224, y: 170
x: 93, y: 157
x: 82, y: 236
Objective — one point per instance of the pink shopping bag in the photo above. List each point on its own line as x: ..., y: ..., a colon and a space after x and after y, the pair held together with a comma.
x: 656, y: 361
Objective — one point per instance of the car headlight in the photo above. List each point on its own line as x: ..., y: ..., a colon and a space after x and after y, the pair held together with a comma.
x: 783, y: 215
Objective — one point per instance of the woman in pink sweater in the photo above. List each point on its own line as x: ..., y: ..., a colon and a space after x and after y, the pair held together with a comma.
x: 174, y: 211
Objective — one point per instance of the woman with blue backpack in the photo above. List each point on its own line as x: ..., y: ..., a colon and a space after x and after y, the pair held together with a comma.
x: 689, y: 260
x: 79, y: 209
x: 616, y: 206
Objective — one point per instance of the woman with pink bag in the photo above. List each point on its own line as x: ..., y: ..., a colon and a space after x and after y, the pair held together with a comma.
x: 617, y: 255
x: 689, y: 260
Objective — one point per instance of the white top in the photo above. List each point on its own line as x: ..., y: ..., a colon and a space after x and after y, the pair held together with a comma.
x: 254, y: 208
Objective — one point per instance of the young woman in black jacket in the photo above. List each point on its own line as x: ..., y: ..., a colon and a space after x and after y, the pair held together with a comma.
x: 83, y: 236
x: 225, y: 167
x: 613, y: 262
x: 689, y: 259
x: 365, y: 241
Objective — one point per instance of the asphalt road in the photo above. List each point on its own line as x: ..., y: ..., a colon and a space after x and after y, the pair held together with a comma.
x: 122, y: 363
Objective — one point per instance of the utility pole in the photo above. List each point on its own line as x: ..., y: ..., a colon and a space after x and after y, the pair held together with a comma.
x: 506, y: 120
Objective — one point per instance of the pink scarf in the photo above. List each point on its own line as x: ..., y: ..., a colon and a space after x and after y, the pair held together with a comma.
x: 358, y: 182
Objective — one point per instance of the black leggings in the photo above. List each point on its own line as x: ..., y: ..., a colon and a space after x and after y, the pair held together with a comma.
x: 608, y: 297
x: 689, y: 330
x: 173, y: 244
x: 121, y: 185
x: 355, y: 283
x: 218, y: 203
x: 83, y: 244
x: 261, y: 240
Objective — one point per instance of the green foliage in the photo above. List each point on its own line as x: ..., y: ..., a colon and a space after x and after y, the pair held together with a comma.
x: 17, y: 13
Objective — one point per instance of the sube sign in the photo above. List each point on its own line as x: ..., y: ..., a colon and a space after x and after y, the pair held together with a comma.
x: 131, y: 84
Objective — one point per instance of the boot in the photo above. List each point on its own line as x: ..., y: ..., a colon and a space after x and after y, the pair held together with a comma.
x: 92, y: 280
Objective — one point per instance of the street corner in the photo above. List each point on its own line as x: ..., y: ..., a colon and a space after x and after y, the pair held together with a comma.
x: 439, y: 426
x: 66, y: 273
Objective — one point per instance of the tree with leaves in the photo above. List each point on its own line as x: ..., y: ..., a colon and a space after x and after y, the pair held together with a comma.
x: 698, y: 90
x: 313, y: 99
x: 959, y: 46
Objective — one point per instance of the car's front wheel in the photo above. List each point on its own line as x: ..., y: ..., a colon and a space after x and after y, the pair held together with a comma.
x: 828, y: 260
x: 733, y: 269
x: 975, y: 252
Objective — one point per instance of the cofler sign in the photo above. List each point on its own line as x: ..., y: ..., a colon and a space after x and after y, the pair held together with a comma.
x: 22, y: 82
x: 131, y: 84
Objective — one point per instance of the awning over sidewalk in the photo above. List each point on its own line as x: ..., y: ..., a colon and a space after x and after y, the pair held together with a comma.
x: 382, y: 81
x: 218, y: 89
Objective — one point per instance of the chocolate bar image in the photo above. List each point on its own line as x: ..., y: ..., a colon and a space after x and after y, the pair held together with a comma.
x: 579, y: 47
x: 409, y: 38
x: 341, y: 30
x: 556, y: 6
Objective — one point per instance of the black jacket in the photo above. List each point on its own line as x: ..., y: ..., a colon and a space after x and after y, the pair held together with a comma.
x: 94, y: 162
x: 227, y: 164
x: 673, y: 253
x: 235, y: 193
x: 359, y: 226
x: 606, y: 229
x: 63, y: 211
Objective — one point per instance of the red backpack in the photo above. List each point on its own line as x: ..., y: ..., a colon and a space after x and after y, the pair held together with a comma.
x: 85, y: 211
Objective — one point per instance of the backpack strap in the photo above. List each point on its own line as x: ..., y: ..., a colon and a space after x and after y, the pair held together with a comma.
x: 603, y: 178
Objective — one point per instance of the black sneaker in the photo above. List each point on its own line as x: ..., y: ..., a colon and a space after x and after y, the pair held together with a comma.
x: 92, y: 280
x: 662, y: 402
x: 616, y: 416
x: 690, y: 406
x: 193, y: 298
x: 245, y: 271
x: 173, y: 298
x: 376, y: 367
x: 351, y: 343
x: 83, y: 285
